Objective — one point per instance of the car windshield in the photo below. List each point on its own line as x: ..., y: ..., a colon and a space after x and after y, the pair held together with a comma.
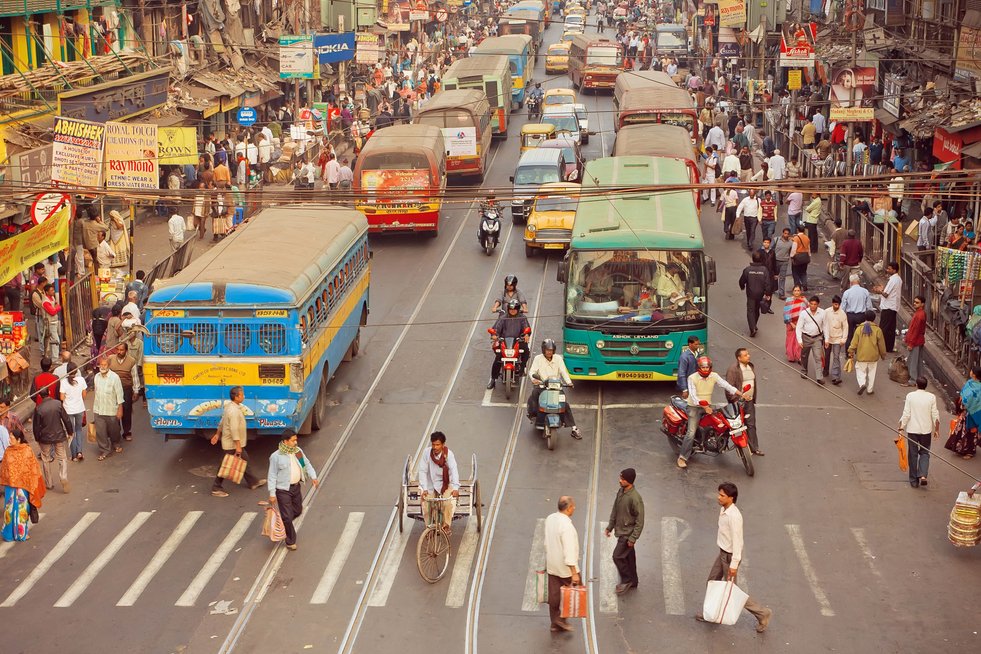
x: 574, y: 19
x: 604, y: 56
x: 558, y: 52
x: 559, y: 99
x: 562, y: 122
x: 635, y: 286
x: 671, y: 39
x: 536, y: 175
x: 556, y: 203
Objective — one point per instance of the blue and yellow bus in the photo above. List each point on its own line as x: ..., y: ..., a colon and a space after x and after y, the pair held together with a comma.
x: 636, y: 274
x: 518, y: 49
x: 274, y: 308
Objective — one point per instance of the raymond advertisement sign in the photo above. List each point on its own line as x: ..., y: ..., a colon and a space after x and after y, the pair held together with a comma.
x: 853, y: 93
x: 76, y: 152
x: 36, y: 244
x: 732, y: 13
x: 177, y: 146
x: 797, y: 45
x: 131, y: 156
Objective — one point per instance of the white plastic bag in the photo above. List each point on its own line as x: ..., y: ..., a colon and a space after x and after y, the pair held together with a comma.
x: 724, y: 601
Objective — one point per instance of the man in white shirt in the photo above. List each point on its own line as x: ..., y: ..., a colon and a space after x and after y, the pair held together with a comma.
x: 920, y: 421
x: 717, y: 138
x: 545, y: 366
x: 439, y: 477
x: 730, y: 542
x: 778, y: 171
x: 749, y: 210
x: 332, y: 172
x: 923, y: 235
x: 835, y: 331
x: 105, y: 254
x: 700, y: 386
x: 731, y: 164
x: 346, y: 175
x: 889, y: 305
x: 175, y: 231
x: 820, y: 124
x: 561, y: 558
x: 810, y: 336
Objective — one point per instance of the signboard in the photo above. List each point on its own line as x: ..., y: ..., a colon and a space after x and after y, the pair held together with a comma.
x: 728, y: 46
x: 397, y: 16
x: 393, y: 181
x: 131, y: 156
x: 76, y: 152
x: 968, y: 62
x: 177, y: 146
x: 794, y: 79
x: 368, y: 49
x: 32, y: 168
x: 36, y: 244
x: 46, y: 204
x: 118, y: 99
x: 857, y: 83
x: 296, y: 57
x: 13, y: 332
x: 332, y: 48
x: 246, y: 116
x: 892, y: 90
x: 732, y: 13
x: 797, y: 45
x: 852, y: 114
x: 460, y: 141
x: 947, y: 147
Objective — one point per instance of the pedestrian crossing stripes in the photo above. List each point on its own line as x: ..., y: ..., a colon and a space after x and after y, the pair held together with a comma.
x: 160, y: 558
x: 337, y: 560
x: 673, y: 532
x: 211, y: 566
x: 809, y: 573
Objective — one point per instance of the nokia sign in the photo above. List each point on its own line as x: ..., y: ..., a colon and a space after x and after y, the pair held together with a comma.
x: 332, y: 48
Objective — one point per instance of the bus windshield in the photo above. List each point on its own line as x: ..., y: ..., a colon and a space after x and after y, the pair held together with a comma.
x: 536, y: 175
x: 635, y: 286
x: 396, y: 161
x: 447, y: 118
x: 604, y: 56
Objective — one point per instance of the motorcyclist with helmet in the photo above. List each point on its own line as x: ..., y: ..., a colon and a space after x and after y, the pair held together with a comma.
x: 700, y: 386
x: 511, y: 292
x: 548, y: 365
x: 508, y: 327
x: 537, y: 93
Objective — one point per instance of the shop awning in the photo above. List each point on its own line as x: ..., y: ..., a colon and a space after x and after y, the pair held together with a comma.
x: 884, y: 116
x: 973, y: 151
x: 225, y: 87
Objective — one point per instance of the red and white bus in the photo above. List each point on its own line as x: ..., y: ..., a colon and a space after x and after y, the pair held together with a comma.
x: 594, y: 61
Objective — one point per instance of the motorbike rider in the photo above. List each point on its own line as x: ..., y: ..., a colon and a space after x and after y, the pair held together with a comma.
x: 511, y: 326
x: 700, y: 387
x: 548, y: 365
x: 511, y: 292
x: 537, y: 94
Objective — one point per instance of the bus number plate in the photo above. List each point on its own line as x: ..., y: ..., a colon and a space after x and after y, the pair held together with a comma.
x: 634, y: 376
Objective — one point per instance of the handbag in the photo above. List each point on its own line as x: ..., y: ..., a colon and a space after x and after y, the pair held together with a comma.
x: 33, y: 514
x: 272, y: 525
x: 90, y: 434
x: 803, y: 256
x: 541, y: 586
x: 573, y: 603
x: 724, y: 601
x: 903, y: 462
x: 850, y: 365
x: 232, y: 468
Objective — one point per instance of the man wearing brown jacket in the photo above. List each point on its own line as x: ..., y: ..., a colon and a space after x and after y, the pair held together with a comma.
x: 740, y: 374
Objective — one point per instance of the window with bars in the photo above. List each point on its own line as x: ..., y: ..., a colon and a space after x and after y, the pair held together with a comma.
x: 168, y: 337
x: 205, y: 338
x: 237, y: 337
x: 272, y: 338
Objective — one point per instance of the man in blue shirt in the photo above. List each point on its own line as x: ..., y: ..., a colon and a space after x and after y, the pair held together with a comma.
x: 901, y: 162
x: 687, y: 364
x: 855, y: 302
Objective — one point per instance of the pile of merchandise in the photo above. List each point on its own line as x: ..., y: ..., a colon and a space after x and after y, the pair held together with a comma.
x: 964, y: 529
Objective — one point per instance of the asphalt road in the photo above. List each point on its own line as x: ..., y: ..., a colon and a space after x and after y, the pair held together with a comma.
x: 140, y: 558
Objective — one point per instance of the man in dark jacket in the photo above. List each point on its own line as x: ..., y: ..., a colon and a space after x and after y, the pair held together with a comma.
x: 512, y: 326
x: 769, y: 255
x: 627, y: 522
x: 757, y: 281
x: 740, y: 374
x: 687, y: 365
x: 849, y: 256
x: 51, y: 428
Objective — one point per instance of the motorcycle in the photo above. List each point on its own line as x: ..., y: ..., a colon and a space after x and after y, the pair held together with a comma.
x: 720, y: 430
x: 511, y: 370
x: 534, y: 107
x: 551, y: 409
x: 489, y: 231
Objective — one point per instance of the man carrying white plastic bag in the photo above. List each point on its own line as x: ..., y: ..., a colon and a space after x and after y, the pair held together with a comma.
x: 723, y: 599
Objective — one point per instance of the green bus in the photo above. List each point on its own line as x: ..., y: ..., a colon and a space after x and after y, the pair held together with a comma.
x: 492, y: 75
x: 636, y: 275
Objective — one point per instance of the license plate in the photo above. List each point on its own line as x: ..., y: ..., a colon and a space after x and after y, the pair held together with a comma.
x: 553, y: 246
x: 633, y: 376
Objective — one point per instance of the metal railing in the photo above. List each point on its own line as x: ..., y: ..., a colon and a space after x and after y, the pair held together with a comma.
x: 172, y: 264
x: 78, y: 311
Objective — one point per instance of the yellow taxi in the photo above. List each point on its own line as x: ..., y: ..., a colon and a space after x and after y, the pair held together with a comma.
x: 557, y: 58
x: 532, y: 134
x: 567, y: 36
x: 553, y: 213
x: 558, y: 97
x: 574, y: 8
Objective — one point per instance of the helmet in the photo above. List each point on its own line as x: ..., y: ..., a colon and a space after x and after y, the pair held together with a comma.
x: 490, y: 196
x: 548, y: 344
x: 538, y: 85
x: 511, y: 280
x: 514, y: 304
x: 704, y: 366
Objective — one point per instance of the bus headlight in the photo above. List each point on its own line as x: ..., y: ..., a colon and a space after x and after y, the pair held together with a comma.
x: 600, y: 344
x: 577, y: 349
x: 669, y: 344
x: 296, y: 377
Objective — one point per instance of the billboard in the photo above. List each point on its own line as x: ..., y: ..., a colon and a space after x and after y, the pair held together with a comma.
x: 296, y: 57
x: 76, y: 152
x: 177, y: 146
x: 797, y: 44
x: 391, y: 181
x: 732, y: 13
x: 332, y: 48
x: 853, y: 87
x: 131, y: 156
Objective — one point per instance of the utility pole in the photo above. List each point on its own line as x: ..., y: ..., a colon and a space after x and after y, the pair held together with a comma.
x: 342, y: 66
x: 849, y: 156
x: 296, y: 81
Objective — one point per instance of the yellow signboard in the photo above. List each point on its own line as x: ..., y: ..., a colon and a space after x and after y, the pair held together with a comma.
x: 793, y: 79
x: 271, y: 313
x: 37, y: 243
x: 210, y: 374
x: 131, y: 156
x: 853, y: 114
x: 732, y: 13
x: 177, y: 145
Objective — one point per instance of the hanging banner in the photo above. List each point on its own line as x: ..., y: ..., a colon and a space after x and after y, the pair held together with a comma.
x: 131, y: 156
x: 332, y: 48
x: 853, y: 83
x: 177, y: 146
x: 797, y: 45
x: 76, y: 152
x: 732, y: 13
x: 36, y: 244
x: 296, y: 57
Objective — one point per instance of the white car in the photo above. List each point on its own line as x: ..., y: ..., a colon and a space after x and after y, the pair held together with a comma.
x: 565, y: 120
x: 575, y: 23
x: 583, y: 117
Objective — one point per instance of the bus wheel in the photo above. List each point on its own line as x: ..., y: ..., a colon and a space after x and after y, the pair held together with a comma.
x: 319, y: 413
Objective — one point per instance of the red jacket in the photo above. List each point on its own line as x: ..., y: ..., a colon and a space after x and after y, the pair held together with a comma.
x: 916, y: 332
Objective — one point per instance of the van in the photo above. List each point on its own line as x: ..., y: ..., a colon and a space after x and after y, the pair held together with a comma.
x: 535, y: 167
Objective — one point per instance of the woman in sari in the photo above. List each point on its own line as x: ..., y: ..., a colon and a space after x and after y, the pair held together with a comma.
x: 964, y: 436
x: 791, y: 312
x: 23, y: 488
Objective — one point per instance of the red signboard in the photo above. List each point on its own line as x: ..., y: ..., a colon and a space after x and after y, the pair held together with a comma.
x: 947, y: 147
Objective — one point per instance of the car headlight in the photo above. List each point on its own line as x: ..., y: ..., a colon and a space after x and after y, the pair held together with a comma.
x: 600, y: 344
x: 575, y: 348
x: 531, y: 227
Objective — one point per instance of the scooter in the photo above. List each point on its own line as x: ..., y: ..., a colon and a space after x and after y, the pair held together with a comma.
x: 720, y: 430
x: 551, y: 409
x: 489, y: 231
x: 534, y: 106
x: 512, y: 369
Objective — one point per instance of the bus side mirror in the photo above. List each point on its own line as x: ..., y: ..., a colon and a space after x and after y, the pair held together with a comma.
x: 511, y: 179
x: 563, y: 271
x: 710, y: 270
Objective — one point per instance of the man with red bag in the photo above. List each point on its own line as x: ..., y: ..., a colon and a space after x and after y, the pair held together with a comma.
x: 561, y: 558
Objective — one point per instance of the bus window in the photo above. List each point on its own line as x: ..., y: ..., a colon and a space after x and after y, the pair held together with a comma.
x: 321, y: 315
x: 493, y: 92
x: 272, y: 338
x: 311, y: 319
x: 303, y: 328
x: 327, y: 301
x: 205, y: 338
x: 237, y: 338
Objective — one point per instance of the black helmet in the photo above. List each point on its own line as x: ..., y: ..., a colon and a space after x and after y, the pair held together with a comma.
x: 548, y: 344
x: 511, y: 280
x: 514, y: 304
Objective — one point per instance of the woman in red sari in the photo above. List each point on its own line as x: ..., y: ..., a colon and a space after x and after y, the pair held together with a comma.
x: 791, y: 312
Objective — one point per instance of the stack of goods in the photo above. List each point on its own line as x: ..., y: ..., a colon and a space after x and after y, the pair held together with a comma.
x: 954, y: 266
x: 964, y: 529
